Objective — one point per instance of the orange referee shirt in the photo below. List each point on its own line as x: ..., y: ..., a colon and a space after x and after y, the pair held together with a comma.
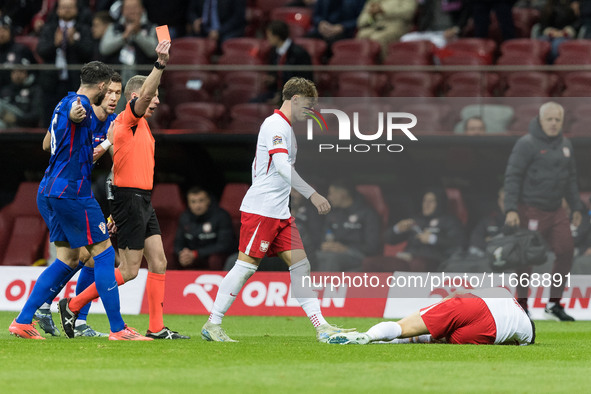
x: 133, y: 146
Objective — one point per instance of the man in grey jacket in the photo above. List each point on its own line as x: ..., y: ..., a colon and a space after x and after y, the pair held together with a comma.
x: 540, y: 172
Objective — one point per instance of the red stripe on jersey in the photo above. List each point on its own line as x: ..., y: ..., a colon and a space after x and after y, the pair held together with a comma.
x: 79, y: 187
x: 88, y: 235
x: 72, y: 133
x: 278, y: 150
x: 277, y: 111
x: 63, y: 192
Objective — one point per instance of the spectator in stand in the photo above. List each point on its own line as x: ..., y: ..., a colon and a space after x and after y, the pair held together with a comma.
x: 302, y: 3
x: 64, y: 39
x: 335, y: 20
x: 46, y: 11
x: 21, y: 13
x: 503, y: 10
x: 10, y: 51
x: 308, y: 222
x: 21, y: 99
x: 582, y: 240
x: 582, y: 10
x: 351, y: 228
x: 130, y: 40
x: 100, y: 23
x: 217, y: 19
x: 432, y: 236
x: 440, y: 21
x: 488, y: 227
x: 474, y: 126
x: 386, y: 21
x: 284, y: 53
x: 169, y: 13
x: 558, y: 23
x: 205, y: 237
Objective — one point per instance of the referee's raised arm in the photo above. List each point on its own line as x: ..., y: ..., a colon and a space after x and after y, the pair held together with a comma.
x: 150, y: 86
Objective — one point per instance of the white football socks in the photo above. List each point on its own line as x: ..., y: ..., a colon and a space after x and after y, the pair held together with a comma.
x: 229, y: 289
x: 384, y: 331
x: 307, y: 299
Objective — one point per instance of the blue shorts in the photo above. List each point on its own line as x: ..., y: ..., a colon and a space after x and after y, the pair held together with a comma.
x: 78, y: 222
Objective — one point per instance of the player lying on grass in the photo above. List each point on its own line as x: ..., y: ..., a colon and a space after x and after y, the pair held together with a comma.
x: 480, y: 317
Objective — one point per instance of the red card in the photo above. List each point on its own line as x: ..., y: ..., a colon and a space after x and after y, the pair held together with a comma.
x: 163, y: 33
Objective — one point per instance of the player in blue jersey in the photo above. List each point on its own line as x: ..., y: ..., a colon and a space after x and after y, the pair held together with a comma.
x: 104, y: 114
x: 68, y: 207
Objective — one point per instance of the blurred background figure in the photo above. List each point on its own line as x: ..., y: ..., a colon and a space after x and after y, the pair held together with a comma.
x: 20, y: 99
x: 217, y: 19
x: 335, y: 20
x: 558, y: 23
x: 481, y: 10
x: 474, y: 126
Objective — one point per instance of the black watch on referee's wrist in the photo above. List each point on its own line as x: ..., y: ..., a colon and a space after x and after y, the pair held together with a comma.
x: 159, y: 66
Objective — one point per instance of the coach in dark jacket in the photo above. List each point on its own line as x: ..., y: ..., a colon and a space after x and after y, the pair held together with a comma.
x: 540, y: 173
x: 204, y: 237
x: 432, y: 236
x: 351, y: 231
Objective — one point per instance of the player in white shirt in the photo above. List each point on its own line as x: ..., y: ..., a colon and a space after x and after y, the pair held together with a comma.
x: 481, y: 317
x: 267, y: 225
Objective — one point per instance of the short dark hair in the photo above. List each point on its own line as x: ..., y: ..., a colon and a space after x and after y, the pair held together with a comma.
x: 116, y: 77
x: 299, y: 86
x: 279, y: 29
x: 95, y: 72
x: 103, y: 16
x: 197, y: 190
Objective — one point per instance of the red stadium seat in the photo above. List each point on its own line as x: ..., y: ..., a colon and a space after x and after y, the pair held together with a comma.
x: 532, y: 79
x: 168, y: 203
x: 479, y: 47
x: 360, y: 48
x: 184, y: 95
x: 373, y: 195
x: 187, y: 57
x: 258, y: 111
x: 356, y: 79
x: 31, y: 43
x: 527, y: 47
x: 468, y: 91
x: 255, y: 20
x: 202, y: 46
x: 456, y: 204
x: 577, y: 79
x: 213, y: 111
x: 233, y: 95
x: 26, y: 241
x: 315, y: 47
x: 384, y: 264
x: 253, y: 79
x: 513, y: 59
x: 191, y: 79
x: 232, y: 199
x: 248, y: 47
x: 416, y: 79
x: 299, y: 19
x: 399, y: 52
x: 269, y: 5
x: 573, y: 58
x: 195, y: 124
x: 461, y: 80
x: 409, y: 91
x: 526, y: 91
x: 463, y: 59
x: 575, y: 48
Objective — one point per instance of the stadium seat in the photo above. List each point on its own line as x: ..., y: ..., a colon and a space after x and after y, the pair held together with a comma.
x: 513, y: 59
x: 255, y: 20
x: 247, y: 47
x: 461, y: 80
x: 246, y: 125
x: 201, y: 46
x: 526, y: 91
x: 213, y: 111
x: 231, y: 200
x: 161, y: 118
x: 579, y: 91
x: 31, y: 43
x: 269, y: 5
x: 416, y: 79
x: 527, y: 47
x: 463, y: 59
x: 258, y: 111
x: 315, y: 47
x: 373, y: 195
x: 191, y: 79
x: 577, y: 79
x: 411, y: 52
x: 456, y: 204
x: 366, y: 51
x: 532, y: 79
x: 409, y: 91
x: 183, y: 95
x: 299, y: 19
x: 253, y: 79
x: 168, y: 203
x: 195, y: 124
x: 572, y: 58
x: 26, y: 241
x: 575, y: 48
x: 480, y: 47
x: 356, y: 79
x: 468, y: 91
x: 579, y: 127
x: 233, y: 95
x: 187, y: 57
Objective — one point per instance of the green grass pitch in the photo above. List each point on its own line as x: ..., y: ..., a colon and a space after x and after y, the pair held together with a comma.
x: 280, y: 354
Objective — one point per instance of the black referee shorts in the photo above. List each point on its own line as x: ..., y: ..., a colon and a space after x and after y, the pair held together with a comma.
x: 134, y: 217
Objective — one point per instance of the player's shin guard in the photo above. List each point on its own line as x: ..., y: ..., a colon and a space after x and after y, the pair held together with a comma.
x: 305, y: 295
x: 385, y: 331
x: 107, y: 287
x: 64, y: 281
x: 46, y: 287
x: 155, y: 291
x: 85, y: 279
x: 229, y: 289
